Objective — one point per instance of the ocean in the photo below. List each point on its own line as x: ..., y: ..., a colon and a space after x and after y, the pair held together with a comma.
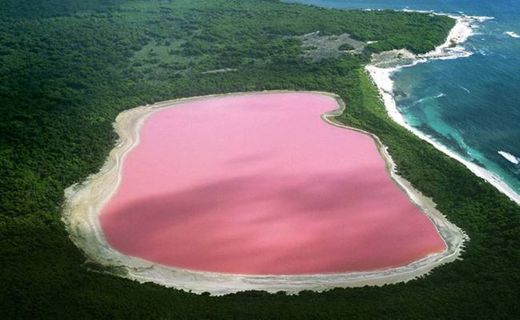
x: 469, y: 105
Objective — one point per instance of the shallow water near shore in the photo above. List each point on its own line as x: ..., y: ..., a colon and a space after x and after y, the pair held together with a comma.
x: 471, y: 105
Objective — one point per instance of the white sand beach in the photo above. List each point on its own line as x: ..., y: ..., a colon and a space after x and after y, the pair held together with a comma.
x: 450, y: 49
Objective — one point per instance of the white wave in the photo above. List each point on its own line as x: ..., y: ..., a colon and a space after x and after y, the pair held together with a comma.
x: 451, y: 49
x: 512, y: 34
x: 465, y: 89
x: 509, y: 157
x: 440, y: 95
x: 483, y: 52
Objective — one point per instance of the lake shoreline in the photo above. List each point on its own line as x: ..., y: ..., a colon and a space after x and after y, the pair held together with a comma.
x: 85, y: 201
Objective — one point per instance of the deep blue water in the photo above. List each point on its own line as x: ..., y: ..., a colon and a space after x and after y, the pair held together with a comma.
x: 471, y: 105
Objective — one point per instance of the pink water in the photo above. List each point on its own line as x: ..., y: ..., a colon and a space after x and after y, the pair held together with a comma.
x: 260, y: 184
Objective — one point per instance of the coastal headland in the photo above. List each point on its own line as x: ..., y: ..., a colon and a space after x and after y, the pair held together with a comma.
x: 385, y: 64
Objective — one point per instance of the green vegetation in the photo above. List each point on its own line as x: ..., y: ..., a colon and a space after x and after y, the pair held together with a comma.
x: 67, y: 68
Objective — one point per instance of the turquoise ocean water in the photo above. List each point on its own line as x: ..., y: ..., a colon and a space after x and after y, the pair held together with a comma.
x: 471, y: 105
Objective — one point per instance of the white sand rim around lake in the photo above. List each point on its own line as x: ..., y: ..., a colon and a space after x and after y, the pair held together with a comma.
x: 84, y: 202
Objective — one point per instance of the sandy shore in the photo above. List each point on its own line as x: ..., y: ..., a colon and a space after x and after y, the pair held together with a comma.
x: 84, y: 202
x: 384, y: 65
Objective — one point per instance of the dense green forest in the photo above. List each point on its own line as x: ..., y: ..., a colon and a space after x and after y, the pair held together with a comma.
x: 68, y: 67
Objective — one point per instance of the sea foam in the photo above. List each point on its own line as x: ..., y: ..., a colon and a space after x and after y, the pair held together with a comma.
x: 440, y: 95
x: 465, y: 89
x: 509, y: 157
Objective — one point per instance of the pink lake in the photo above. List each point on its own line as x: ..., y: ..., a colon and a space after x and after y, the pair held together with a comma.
x: 260, y: 184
